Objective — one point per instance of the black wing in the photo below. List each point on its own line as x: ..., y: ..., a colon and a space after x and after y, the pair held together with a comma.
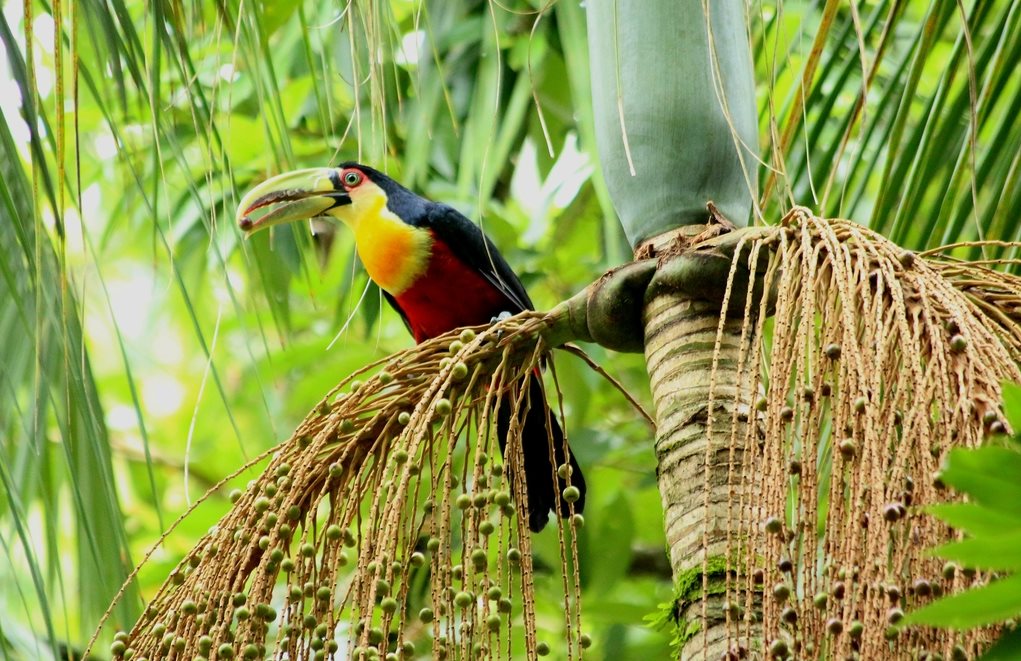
x: 467, y: 241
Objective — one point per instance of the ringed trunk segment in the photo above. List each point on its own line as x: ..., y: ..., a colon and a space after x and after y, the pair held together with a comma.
x: 700, y: 460
x: 704, y: 427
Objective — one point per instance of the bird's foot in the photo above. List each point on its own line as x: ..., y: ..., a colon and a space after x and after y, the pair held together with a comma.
x: 497, y: 319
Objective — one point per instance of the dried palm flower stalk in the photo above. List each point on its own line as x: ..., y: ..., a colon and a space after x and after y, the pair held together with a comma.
x: 386, y: 525
x: 865, y: 365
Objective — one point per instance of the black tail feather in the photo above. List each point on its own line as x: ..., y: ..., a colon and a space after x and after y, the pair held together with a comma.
x: 541, y: 480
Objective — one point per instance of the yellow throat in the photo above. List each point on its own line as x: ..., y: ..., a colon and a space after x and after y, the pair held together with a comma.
x: 393, y: 252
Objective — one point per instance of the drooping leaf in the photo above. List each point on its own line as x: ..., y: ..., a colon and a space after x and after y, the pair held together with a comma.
x: 976, y: 519
x: 988, y: 604
x: 1012, y: 405
x: 988, y: 474
x: 1007, y: 648
x: 994, y: 552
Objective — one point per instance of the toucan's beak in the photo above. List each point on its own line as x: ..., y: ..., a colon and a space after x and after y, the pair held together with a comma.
x: 291, y: 196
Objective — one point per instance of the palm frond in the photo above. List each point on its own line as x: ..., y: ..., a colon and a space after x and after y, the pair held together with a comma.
x: 915, y: 135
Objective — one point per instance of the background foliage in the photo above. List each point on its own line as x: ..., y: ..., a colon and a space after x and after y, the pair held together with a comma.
x: 148, y: 351
x: 992, y: 523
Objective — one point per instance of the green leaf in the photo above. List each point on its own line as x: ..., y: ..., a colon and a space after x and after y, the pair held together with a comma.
x: 275, y: 14
x: 1012, y: 405
x: 997, y: 552
x: 975, y: 518
x: 988, y: 474
x: 1007, y: 648
x: 988, y: 604
x: 613, y: 535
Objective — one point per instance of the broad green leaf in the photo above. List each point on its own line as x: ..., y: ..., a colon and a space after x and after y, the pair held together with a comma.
x: 1012, y: 405
x: 995, y: 552
x: 988, y: 604
x: 988, y: 474
x: 275, y: 14
x: 1007, y: 648
x: 612, y: 545
x: 975, y: 518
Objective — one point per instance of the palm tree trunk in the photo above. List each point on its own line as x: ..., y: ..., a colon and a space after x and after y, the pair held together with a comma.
x: 674, y: 110
x: 697, y: 471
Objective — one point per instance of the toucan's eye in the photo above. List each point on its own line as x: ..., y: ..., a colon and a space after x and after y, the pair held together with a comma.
x: 352, y: 178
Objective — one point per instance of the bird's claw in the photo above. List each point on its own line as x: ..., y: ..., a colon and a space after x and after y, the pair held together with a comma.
x: 497, y: 319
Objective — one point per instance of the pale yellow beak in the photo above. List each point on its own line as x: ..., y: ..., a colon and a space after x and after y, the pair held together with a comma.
x: 291, y: 196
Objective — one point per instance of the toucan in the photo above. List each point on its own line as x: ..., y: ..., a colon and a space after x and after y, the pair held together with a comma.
x: 440, y: 272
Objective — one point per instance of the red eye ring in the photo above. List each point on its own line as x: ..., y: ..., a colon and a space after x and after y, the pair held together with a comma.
x: 352, y: 178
